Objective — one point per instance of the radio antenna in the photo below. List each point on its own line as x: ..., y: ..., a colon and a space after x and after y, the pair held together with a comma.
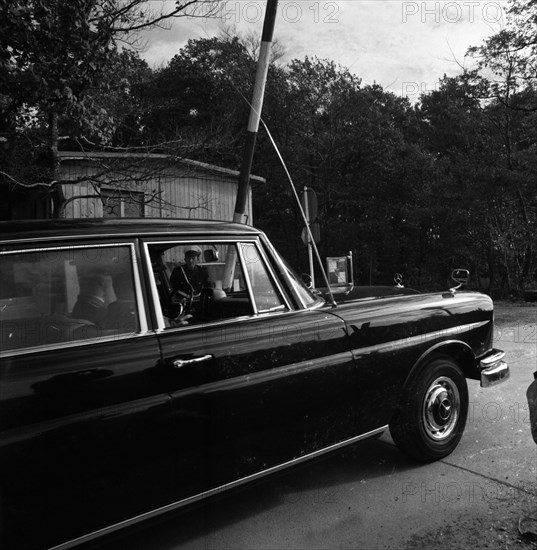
x: 313, y: 244
x: 303, y: 214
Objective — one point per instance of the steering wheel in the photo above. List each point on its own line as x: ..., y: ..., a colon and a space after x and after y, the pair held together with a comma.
x: 186, y: 299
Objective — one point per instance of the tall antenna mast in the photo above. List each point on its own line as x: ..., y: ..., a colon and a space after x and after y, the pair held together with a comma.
x: 255, y: 110
x: 251, y: 134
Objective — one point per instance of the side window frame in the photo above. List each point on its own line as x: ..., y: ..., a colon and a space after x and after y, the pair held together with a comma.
x: 137, y: 287
x: 237, y: 242
x: 270, y: 274
x: 297, y: 299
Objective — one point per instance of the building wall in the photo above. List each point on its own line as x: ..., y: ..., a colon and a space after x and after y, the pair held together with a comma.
x: 177, y: 192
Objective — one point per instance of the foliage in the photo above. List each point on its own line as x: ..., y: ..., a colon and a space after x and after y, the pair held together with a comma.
x: 349, y: 144
x: 508, y: 75
x: 109, y: 113
x: 198, y: 99
x: 418, y: 189
x: 52, y: 53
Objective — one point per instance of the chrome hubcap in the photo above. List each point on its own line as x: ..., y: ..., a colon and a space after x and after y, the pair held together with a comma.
x: 441, y: 408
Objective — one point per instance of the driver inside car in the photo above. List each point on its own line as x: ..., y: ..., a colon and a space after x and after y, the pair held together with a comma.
x: 190, y: 278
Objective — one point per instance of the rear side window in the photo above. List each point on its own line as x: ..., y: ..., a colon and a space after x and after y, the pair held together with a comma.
x: 60, y: 295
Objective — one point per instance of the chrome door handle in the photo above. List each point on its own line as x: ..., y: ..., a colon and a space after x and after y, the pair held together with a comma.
x: 180, y: 363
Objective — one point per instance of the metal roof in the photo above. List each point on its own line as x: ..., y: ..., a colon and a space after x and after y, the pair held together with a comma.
x: 194, y: 164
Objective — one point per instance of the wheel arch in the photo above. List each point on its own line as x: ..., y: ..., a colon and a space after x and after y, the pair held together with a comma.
x: 456, y: 350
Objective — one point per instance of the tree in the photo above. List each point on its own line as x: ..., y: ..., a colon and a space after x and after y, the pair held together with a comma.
x: 51, y: 53
x: 197, y: 98
x: 349, y: 144
x: 109, y: 115
x: 509, y: 61
x: 479, y: 180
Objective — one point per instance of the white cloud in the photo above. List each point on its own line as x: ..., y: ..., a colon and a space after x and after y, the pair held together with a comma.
x: 391, y: 42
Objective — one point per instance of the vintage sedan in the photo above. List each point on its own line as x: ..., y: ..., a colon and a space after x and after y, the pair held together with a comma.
x: 122, y: 397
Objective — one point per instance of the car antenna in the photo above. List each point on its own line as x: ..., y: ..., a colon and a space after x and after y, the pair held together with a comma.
x: 303, y: 214
x: 293, y: 188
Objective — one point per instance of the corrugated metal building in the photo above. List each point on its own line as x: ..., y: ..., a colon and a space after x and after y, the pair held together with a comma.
x: 147, y: 185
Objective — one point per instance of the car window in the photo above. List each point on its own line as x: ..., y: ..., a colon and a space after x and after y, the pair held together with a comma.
x: 199, y: 282
x: 57, y: 295
x: 266, y: 295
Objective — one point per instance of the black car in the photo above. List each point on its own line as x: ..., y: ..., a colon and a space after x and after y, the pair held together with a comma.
x: 122, y: 398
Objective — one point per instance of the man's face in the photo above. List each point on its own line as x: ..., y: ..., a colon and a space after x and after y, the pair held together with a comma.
x: 191, y: 260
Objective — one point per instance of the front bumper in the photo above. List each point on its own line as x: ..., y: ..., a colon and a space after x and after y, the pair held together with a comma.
x: 493, y: 369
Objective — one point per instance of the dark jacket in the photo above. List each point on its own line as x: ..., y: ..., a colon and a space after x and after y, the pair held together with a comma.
x: 187, y: 281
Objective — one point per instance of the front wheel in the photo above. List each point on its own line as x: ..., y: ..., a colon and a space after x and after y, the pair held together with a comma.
x: 430, y: 420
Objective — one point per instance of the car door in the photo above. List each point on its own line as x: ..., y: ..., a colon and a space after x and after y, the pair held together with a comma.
x: 84, y: 409
x: 256, y: 381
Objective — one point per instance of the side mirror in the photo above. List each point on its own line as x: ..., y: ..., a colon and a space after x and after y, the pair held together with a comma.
x: 306, y: 279
x: 461, y: 276
x: 210, y: 255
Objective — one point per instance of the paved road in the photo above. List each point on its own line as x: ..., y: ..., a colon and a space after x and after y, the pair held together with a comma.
x: 371, y: 497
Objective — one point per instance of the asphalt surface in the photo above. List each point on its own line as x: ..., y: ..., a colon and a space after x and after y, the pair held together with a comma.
x: 371, y: 497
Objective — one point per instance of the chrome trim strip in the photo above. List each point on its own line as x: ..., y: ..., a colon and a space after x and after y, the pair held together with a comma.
x: 139, y: 233
x: 67, y: 247
x: 77, y: 343
x: 493, y: 369
x: 140, y: 306
x: 196, y: 239
x: 241, y: 318
x: 268, y: 270
x: 420, y: 339
x: 79, y: 237
x: 246, y: 380
x: 161, y: 325
x: 283, y: 269
x: 492, y: 357
x: 238, y: 247
x: 273, y: 275
x: 217, y: 490
x: 437, y: 346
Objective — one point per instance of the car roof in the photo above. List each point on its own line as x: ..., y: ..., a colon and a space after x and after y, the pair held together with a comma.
x: 21, y: 230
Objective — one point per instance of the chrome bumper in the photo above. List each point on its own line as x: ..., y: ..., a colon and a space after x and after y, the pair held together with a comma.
x: 493, y: 369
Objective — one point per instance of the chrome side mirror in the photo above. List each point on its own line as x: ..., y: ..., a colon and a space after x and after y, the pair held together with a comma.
x: 461, y: 276
x: 306, y: 279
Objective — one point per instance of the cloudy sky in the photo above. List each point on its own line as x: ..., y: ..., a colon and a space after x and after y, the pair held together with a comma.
x: 404, y: 45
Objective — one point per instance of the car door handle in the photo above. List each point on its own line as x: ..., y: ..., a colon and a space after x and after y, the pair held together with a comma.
x: 180, y: 363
